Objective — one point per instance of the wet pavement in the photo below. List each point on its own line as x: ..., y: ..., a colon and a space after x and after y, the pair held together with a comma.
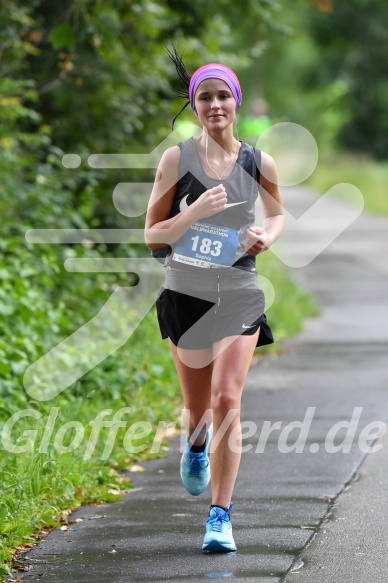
x: 316, y: 515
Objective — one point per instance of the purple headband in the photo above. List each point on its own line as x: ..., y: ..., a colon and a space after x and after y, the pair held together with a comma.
x: 215, y: 71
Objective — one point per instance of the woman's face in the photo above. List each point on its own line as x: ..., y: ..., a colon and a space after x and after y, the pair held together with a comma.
x: 215, y: 104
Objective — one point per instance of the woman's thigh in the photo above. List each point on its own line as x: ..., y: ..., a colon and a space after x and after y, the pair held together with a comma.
x: 232, y: 358
x: 221, y: 369
x: 195, y: 381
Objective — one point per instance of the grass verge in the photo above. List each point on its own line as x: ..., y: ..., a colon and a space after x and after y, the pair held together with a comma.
x: 291, y: 303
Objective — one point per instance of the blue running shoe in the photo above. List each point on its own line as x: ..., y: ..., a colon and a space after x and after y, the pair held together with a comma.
x: 195, y: 469
x: 218, y: 537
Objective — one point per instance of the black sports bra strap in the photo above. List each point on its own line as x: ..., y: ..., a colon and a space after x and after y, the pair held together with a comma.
x: 258, y: 163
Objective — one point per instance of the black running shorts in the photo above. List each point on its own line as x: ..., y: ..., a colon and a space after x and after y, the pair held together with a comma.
x: 196, y: 322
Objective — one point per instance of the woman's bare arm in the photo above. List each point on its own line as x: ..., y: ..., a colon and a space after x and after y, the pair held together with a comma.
x: 159, y: 229
x: 260, y: 238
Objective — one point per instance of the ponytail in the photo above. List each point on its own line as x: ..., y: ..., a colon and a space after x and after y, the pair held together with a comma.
x: 184, y: 77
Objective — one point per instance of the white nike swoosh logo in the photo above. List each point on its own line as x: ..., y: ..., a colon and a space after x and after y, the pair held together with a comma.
x: 247, y: 326
x: 234, y: 203
x: 183, y: 203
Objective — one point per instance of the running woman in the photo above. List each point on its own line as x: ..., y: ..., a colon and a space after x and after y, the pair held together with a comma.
x: 200, y: 224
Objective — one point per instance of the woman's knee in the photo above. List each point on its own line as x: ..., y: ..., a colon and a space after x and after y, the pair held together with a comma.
x: 226, y: 398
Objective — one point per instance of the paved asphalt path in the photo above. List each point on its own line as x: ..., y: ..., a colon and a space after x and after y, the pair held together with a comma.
x: 310, y: 516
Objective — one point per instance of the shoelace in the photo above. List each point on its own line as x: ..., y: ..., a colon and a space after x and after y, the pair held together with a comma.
x: 217, y: 521
x: 198, y: 463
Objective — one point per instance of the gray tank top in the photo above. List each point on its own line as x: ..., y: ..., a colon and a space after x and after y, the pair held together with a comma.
x: 241, y: 187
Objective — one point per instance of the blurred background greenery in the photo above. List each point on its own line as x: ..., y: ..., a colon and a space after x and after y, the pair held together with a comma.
x: 92, y: 76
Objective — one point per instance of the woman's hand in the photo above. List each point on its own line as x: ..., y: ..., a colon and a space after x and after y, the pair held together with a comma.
x: 257, y: 241
x: 210, y: 202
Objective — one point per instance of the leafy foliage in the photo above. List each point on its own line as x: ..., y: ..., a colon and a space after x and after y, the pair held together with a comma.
x: 351, y: 40
x: 327, y: 73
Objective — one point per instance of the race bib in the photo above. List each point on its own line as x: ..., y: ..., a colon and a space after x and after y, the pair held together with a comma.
x: 207, y: 245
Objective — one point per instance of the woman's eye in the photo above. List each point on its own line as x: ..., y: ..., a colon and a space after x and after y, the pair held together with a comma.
x: 221, y: 96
